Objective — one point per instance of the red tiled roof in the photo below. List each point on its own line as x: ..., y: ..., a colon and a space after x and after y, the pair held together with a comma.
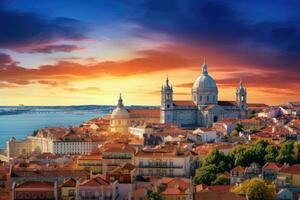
x: 140, y: 111
x: 69, y: 183
x: 228, y: 120
x: 272, y: 166
x: 217, y: 188
x: 95, y: 182
x: 213, y: 195
x: 36, y: 184
x: 239, y: 169
x: 184, y: 103
x: 294, y: 169
x: 257, y: 105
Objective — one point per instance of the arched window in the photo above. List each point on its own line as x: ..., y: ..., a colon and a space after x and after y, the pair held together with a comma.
x: 215, y: 118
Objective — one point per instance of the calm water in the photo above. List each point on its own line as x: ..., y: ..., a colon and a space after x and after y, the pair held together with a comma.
x: 22, y: 125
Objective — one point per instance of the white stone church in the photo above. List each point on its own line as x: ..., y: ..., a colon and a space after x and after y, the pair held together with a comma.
x: 204, y: 108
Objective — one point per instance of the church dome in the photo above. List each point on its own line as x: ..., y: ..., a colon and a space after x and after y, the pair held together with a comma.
x: 205, y: 83
x: 120, y: 111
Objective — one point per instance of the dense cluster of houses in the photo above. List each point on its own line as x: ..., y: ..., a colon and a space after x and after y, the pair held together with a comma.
x: 90, y: 162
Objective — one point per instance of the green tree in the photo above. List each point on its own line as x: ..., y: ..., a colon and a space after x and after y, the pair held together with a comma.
x: 239, y: 127
x: 255, y: 189
x: 221, y: 180
x: 286, y: 154
x: 205, y: 175
x: 245, y: 155
x: 219, y: 159
x: 272, y: 153
x: 153, y: 196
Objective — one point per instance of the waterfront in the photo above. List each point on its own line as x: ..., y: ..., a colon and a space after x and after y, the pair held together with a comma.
x: 22, y: 125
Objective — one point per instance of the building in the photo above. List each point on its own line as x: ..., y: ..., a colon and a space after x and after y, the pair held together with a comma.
x: 204, y: 108
x: 175, y: 188
x: 122, y: 118
x: 125, y: 176
x: 237, y: 175
x: 91, y: 163
x: 115, y: 155
x: 270, y: 171
x: 289, y: 176
x: 28, y: 146
x: 98, y: 188
x: 35, y: 190
x: 68, y: 189
x: 203, y: 135
x: 165, y: 160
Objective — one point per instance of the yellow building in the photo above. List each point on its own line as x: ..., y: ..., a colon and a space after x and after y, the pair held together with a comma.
x: 91, y: 163
x: 289, y: 176
x: 68, y: 189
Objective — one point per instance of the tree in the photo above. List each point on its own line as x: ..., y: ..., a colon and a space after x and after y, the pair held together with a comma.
x: 255, y: 189
x: 221, y: 180
x: 245, y: 155
x: 234, y: 133
x: 205, y: 175
x: 153, y: 196
x: 219, y: 159
x: 272, y: 153
x: 286, y: 154
x: 239, y: 127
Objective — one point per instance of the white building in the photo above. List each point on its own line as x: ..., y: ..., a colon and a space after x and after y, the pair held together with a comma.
x: 74, y: 147
x: 203, y: 135
x: 163, y: 161
x: 204, y: 108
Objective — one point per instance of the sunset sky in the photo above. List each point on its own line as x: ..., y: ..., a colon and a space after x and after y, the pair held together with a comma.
x: 71, y: 52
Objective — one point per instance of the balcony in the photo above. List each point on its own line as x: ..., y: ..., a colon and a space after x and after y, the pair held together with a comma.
x: 160, y: 166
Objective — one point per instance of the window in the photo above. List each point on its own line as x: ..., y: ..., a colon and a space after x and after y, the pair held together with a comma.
x: 207, y: 98
x: 42, y: 196
x: 214, y: 98
x: 20, y: 195
x: 141, y: 163
x: 71, y: 192
x: 200, y: 98
x: 27, y: 195
x: 34, y: 195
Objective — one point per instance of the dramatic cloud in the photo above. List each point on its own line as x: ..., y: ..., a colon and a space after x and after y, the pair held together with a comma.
x: 89, y: 90
x: 19, y: 29
x: 223, y: 26
x: 46, y: 49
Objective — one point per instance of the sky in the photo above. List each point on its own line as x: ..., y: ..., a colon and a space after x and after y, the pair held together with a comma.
x: 71, y: 52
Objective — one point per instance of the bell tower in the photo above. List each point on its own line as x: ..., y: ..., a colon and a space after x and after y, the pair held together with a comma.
x: 241, y: 96
x: 166, y: 115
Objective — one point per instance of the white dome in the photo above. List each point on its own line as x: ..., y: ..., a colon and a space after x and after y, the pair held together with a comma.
x: 205, y: 83
x: 119, y: 112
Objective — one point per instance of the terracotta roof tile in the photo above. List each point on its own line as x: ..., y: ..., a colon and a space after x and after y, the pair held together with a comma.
x: 69, y: 183
x: 294, y: 169
x: 36, y: 184
x: 184, y: 103
x: 95, y: 182
x: 213, y: 195
x: 272, y: 166
x: 239, y: 169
